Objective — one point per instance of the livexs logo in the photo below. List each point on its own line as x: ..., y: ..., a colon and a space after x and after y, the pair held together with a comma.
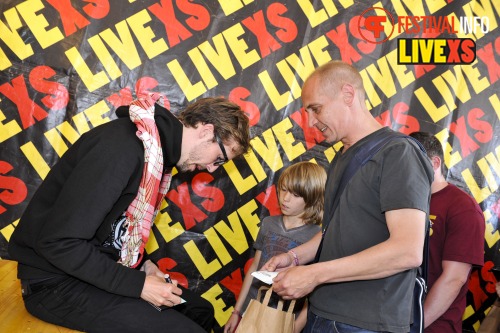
x: 436, y: 51
x: 377, y: 25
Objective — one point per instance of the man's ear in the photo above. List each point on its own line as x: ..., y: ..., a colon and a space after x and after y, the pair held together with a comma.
x: 206, y: 130
x: 436, y: 162
x: 348, y: 93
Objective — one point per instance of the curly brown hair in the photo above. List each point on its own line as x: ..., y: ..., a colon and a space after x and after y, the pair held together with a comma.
x: 230, y: 122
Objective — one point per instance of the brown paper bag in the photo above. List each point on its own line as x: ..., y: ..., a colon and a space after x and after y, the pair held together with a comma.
x: 261, y: 318
x: 491, y: 324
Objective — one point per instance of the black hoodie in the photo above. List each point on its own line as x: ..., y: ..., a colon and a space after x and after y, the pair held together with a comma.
x: 70, y: 215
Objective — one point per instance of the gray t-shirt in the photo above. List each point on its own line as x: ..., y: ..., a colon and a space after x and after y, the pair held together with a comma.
x: 273, y: 239
x: 398, y: 176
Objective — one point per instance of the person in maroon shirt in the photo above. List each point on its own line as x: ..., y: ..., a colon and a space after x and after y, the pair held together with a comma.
x: 456, y: 243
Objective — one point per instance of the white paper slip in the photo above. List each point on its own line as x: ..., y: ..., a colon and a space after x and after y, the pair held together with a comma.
x: 265, y: 276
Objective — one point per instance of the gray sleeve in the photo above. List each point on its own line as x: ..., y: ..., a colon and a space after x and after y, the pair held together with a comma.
x: 405, y: 177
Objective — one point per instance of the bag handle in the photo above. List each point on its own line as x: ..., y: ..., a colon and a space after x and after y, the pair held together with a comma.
x: 291, y: 306
x: 267, y: 297
x: 259, y: 294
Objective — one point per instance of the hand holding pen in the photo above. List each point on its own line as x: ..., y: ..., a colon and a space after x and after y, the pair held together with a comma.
x: 168, y: 279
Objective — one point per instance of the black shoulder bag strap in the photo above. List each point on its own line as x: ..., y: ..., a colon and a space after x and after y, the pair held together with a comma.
x: 362, y: 156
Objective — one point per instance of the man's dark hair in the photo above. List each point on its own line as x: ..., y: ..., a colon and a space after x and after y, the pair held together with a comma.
x: 230, y: 122
x: 431, y: 145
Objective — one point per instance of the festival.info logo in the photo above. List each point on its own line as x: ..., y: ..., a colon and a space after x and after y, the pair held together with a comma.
x: 377, y: 25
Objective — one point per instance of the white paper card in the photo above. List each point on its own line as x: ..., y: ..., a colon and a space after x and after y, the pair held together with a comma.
x: 265, y: 276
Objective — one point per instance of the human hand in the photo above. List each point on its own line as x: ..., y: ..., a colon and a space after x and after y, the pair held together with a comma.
x: 278, y: 263
x: 497, y: 287
x: 159, y: 292
x: 232, y: 323
x: 295, y: 282
x: 151, y: 269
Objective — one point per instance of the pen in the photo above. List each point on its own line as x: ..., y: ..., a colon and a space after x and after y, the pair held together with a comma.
x: 169, y: 280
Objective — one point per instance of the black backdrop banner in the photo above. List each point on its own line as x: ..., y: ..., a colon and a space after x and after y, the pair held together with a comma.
x: 65, y: 66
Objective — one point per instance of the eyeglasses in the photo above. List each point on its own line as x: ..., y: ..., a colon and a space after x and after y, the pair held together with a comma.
x: 219, y: 161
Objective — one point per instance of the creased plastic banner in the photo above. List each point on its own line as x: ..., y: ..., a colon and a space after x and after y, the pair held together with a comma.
x: 65, y: 66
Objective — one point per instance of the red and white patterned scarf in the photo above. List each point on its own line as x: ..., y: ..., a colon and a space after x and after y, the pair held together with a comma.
x: 153, y: 187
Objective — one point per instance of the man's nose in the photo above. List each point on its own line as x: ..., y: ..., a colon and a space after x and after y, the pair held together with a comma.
x: 311, y: 119
x: 211, y: 168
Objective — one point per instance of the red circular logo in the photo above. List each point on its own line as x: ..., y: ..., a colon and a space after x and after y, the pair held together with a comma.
x: 376, y: 24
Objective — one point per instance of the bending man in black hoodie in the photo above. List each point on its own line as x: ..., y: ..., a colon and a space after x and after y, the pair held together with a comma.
x: 68, y: 241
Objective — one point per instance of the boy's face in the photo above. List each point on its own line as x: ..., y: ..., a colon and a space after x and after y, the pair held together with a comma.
x: 291, y: 204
